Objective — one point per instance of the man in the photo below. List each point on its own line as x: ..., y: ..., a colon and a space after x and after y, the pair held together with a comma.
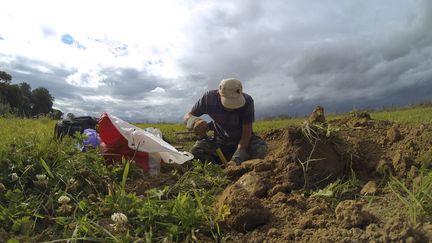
x: 233, y: 113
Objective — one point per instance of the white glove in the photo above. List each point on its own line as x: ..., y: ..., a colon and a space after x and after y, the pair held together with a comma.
x: 198, y: 126
x: 239, y: 156
x: 191, y: 121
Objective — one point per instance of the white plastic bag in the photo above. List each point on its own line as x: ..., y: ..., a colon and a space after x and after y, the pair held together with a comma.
x: 150, y: 142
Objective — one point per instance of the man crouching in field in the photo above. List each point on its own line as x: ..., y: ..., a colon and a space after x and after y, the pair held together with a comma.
x: 233, y: 113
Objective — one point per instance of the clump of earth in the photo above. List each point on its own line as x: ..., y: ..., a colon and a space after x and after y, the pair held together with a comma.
x: 269, y: 200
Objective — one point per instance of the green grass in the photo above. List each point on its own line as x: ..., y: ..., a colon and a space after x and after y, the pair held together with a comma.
x: 339, y: 190
x: 168, y: 129
x: 36, y: 171
x: 417, y: 197
x: 261, y: 126
x: 412, y: 116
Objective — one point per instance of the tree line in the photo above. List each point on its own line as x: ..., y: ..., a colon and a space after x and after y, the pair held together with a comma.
x: 21, y: 100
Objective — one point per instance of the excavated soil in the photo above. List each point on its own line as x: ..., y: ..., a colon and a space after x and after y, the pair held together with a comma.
x: 269, y: 199
x: 308, y: 157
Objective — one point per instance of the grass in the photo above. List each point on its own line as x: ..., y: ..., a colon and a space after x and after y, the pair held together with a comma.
x: 339, y: 190
x: 168, y: 129
x: 261, y: 126
x: 417, y: 198
x: 37, y: 171
x: 412, y: 116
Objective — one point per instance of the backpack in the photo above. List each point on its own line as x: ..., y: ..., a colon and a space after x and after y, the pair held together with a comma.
x: 77, y: 124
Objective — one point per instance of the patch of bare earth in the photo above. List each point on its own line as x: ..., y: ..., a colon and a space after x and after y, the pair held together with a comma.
x: 266, y: 201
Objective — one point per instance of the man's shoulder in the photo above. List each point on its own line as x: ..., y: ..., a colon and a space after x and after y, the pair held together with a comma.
x: 211, y: 97
x: 248, y: 98
x: 213, y: 92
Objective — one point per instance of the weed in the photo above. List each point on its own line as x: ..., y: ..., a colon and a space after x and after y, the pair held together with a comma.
x: 417, y: 198
x: 339, y: 190
x: 314, y: 133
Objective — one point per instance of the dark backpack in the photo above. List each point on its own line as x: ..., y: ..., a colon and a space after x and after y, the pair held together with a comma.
x: 77, y: 124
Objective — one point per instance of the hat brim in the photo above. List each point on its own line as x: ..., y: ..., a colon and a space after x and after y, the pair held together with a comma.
x: 233, y: 103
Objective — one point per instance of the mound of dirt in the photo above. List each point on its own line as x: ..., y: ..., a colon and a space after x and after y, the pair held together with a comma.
x: 377, y: 146
x: 300, y: 158
x: 249, y: 212
x: 313, y: 155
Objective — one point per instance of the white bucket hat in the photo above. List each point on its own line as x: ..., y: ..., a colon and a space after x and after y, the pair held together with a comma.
x: 231, y: 92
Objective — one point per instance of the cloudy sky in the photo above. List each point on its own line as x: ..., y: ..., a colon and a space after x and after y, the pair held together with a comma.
x: 151, y: 60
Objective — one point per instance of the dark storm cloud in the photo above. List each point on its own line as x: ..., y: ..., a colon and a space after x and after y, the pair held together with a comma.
x: 40, y: 74
x: 300, y: 107
x: 129, y: 83
x: 294, y: 55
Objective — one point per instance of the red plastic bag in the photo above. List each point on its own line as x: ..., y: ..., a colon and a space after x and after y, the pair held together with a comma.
x: 114, y: 146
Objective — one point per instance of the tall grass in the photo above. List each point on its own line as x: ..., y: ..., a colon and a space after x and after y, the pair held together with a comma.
x: 413, y: 116
x: 417, y: 198
x: 36, y: 171
x: 261, y: 126
x: 168, y: 129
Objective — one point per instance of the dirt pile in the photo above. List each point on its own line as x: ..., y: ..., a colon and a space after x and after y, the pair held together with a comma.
x: 250, y: 213
x: 309, y: 157
x: 377, y: 146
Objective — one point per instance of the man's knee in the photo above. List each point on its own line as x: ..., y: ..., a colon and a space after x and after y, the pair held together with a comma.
x: 259, y: 152
x: 203, y: 151
x: 257, y: 149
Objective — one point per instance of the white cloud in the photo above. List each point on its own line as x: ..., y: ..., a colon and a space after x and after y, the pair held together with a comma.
x: 150, y: 30
x: 89, y: 79
x: 158, y: 90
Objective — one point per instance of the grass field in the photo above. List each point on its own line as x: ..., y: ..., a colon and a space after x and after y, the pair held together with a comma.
x: 49, y: 191
x: 413, y: 116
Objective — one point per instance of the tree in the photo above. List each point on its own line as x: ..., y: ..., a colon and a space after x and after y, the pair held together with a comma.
x: 5, y: 77
x: 70, y: 116
x: 26, y: 92
x: 42, y: 101
x: 20, y: 99
x: 56, y: 114
x: 14, y: 97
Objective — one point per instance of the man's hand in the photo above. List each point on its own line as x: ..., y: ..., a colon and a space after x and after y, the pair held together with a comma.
x: 197, y: 125
x: 239, y: 156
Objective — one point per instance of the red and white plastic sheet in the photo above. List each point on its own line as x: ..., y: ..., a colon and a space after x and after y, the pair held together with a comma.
x: 121, y: 139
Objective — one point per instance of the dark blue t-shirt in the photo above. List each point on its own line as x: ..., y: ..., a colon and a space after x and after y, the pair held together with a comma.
x: 228, y: 123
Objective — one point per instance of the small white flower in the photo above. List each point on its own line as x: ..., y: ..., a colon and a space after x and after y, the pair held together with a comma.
x: 63, y: 200
x: 14, y: 176
x: 41, y: 177
x: 72, y: 180
x: 2, y: 187
x: 119, y: 218
x: 120, y: 221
